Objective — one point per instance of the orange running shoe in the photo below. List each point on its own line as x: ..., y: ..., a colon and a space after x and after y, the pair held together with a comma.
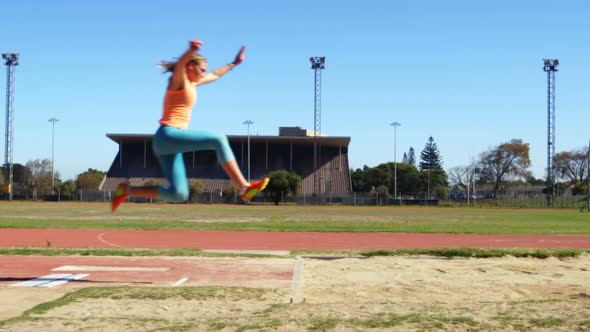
x: 120, y: 196
x: 254, y: 188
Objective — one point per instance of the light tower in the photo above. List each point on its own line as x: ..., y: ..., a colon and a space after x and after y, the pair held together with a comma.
x: 317, y: 64
x: 53, y: 121
x: 550, y: 67
x: 11, y: 62
x: 395, y: 125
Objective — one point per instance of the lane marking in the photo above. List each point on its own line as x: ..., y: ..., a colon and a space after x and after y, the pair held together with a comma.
x: 180, y: 282
x: 50, y: 280
x: 297, y: 284
x: 110, y: 268
x: 105, y: 241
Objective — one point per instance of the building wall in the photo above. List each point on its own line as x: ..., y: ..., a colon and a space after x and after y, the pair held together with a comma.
x: 139, y: 165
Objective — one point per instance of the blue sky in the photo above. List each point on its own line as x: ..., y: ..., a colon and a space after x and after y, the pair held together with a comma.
x: 468, y: 73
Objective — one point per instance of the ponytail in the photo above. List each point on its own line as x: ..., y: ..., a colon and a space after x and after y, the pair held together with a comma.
x: 169, y: 66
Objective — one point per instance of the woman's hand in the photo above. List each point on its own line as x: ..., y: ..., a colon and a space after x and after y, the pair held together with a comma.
x: 195, y: 45
x: 240, y: 56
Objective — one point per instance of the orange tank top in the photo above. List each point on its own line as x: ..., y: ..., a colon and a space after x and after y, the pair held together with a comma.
x: 178, y: 107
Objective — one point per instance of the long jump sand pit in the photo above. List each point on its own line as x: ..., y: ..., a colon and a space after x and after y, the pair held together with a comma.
x: 350, y: 294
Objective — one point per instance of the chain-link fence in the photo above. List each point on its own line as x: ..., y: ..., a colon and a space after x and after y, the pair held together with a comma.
x: 361, y: 199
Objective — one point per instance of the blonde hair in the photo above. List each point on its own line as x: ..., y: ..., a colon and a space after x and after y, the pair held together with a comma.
x: 168, y: 66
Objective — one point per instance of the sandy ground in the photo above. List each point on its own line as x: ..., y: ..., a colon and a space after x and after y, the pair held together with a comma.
x: 353, y: 294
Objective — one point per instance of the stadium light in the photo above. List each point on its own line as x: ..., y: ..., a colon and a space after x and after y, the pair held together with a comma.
x: 248, y: 123
x: 53, y: 121
x: 395, y: 125
x: 10, y: 57
x: 317, y: 64
x: 11, y: 62
x: 550, y: 67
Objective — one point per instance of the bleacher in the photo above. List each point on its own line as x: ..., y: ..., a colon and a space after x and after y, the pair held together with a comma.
x: 136, y: 164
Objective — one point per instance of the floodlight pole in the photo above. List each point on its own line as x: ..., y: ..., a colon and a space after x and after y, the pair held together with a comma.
x: 11, y: 62
x: 550, y: 67
x: 53, y: 121
x: 317, y: 64
x: 248, y: 123
x: 395, y: 125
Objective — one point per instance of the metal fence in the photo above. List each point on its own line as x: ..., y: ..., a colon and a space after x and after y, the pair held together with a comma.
x: 360, y: 199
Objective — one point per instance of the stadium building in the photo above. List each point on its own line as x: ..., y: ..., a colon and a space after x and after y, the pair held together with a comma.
x: 292, y: 149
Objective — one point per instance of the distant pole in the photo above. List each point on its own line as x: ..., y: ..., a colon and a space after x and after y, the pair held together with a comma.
x: 473, y: 180
x: 317, y: 64
x: 53, y: 121
x: 248, y: 123
x: 395, y: 125
x: 11, y: 61
x: 550, y: 67
x: 429, y: 170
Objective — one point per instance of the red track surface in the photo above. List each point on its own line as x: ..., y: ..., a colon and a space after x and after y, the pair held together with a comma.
x: 273, y: 273
x: 96, y: 238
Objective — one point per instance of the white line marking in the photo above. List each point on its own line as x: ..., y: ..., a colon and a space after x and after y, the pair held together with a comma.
x: 105, y: 241
x: 63, y: 281
x: 49, y: 280
x: 180, y: 282
x: 297, y: 284
x: 111, y: 268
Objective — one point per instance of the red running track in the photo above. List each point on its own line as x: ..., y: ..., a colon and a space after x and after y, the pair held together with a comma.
x: 102, y: 238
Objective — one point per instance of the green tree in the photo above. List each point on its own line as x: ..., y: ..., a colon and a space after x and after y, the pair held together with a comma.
x: 229, y: 193
x: 381, y: 193
x: 507, y: 159
x: 154, y: 183
x: 532, y: 181
x: 380, y: 175
x: 196, y: 188
x: 358, y: 179
x: 282, y: 183
x: 363, y: 180
x: 91, y: 179
x: 433, y: 184
x: 39, y: 180
x: 67, y: 189
x: 408, y: 179
x: 433, y: 176
x: 411, y: 157
x: 573, y: 167
x: 20, y: 175
x: 430, y: 156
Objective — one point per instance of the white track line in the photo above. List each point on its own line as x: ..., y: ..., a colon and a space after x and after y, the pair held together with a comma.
x: 180, y: 282
x: 105, y: 241
x: 297, y: 283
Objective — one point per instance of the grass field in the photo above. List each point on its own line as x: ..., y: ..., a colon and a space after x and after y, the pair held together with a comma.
x: 295, y: 218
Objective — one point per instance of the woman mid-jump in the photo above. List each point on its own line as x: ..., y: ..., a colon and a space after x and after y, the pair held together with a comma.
x: 173, y: 138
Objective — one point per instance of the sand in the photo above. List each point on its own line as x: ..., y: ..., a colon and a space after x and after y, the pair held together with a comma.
x: 351, y: 294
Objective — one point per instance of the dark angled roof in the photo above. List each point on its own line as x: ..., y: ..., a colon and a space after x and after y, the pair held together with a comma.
x: 323, y: 140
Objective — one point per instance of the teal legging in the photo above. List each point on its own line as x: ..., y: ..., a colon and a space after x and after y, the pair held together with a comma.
x: 169, y: 143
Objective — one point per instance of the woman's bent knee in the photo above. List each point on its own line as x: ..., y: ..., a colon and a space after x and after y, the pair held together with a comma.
x: 223, y: 149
